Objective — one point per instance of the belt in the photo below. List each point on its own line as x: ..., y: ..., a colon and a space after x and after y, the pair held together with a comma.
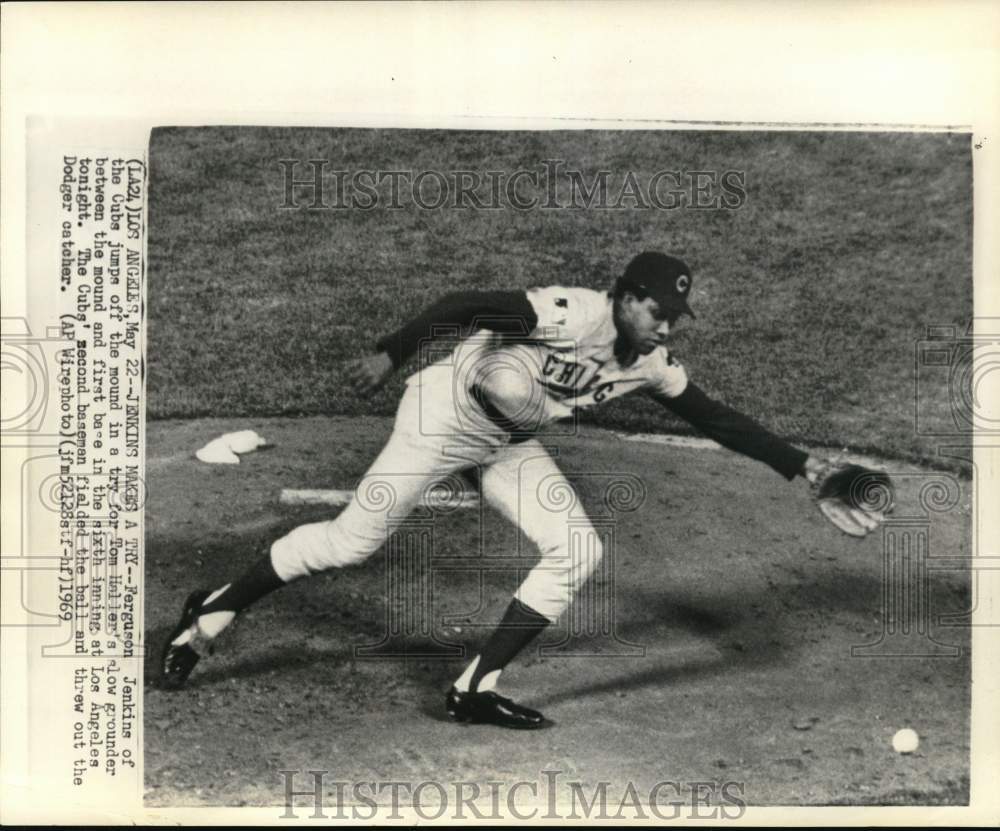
x: 478, y: 394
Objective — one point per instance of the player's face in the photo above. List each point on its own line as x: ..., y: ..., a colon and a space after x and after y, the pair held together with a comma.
x: 643, y: 323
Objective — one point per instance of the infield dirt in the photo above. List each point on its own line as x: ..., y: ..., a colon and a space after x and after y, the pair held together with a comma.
x: 745, y: 601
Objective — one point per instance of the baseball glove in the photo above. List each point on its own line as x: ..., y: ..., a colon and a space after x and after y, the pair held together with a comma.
x: 854, y: 498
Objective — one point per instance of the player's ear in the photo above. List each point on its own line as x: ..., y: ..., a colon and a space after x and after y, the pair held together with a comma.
x: 628, y: 298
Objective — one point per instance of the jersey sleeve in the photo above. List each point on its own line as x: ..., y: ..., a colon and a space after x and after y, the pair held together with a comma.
x: 564, y: 314
x: 735, y: 430
x: 667, y: 376
x: 504, y: 312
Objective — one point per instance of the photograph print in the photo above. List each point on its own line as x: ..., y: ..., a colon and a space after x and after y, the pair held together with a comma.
x: 558, y: 474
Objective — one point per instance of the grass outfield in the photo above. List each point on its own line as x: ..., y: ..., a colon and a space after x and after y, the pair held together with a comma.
x: 811, y: 297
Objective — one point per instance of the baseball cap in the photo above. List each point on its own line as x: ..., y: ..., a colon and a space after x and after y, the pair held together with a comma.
x: 664, y: 278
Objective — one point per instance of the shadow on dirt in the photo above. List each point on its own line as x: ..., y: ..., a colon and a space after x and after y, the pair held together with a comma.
x: 736, y: 627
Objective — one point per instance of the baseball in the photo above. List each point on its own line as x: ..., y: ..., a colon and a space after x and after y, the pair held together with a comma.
x: 905, y: 740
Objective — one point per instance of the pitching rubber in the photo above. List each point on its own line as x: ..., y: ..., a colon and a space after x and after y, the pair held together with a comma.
x: 291, y: 496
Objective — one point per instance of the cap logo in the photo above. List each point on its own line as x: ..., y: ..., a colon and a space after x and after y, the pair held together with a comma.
x: 683, y: 283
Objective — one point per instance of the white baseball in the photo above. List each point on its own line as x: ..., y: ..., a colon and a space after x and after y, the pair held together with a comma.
x: 905, y: 740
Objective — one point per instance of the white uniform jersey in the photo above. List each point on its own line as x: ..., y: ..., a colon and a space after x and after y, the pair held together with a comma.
x: 568, y: 359
x: 567, y: 362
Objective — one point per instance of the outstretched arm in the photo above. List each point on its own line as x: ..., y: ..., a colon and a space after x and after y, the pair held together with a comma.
x: 738, y: 432
x: 854, y: 498
x: 507, y: 312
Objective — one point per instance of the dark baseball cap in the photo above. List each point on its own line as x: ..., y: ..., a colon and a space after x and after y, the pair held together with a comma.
x: 664, y: 278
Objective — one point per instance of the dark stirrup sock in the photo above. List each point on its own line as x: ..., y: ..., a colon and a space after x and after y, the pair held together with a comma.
x: 259, y: 580
x: 520, y: 625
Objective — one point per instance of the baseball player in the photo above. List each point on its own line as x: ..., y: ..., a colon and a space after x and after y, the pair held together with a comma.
x: 523, y: 359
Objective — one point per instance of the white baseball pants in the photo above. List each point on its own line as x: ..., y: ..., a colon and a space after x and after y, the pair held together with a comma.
x: 520, y: 480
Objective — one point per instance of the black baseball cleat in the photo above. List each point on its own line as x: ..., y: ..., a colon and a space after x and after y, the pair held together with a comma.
x: 490, y: 708
x: 179, y: 659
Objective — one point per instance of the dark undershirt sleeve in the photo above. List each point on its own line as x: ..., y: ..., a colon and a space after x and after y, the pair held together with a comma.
x: 734, y: 430
x: 506, y: 312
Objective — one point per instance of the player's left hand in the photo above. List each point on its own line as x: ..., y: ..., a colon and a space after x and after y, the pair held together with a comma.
x: 368, y: 374
x: 854, y: 498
